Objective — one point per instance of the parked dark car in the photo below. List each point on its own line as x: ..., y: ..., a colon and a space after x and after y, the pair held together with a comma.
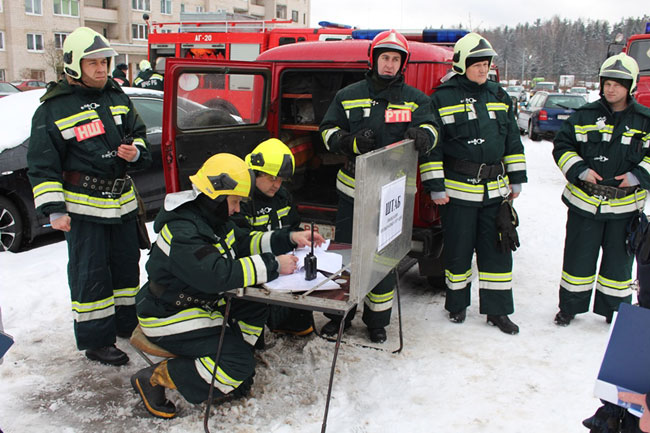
x: 543, y: 115
x: 7, y: 89
x: 19, y: 223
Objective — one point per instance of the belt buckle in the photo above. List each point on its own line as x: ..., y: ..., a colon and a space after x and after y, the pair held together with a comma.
x: 118, y: 186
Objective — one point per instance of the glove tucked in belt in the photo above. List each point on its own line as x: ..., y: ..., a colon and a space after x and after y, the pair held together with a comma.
x: 112, y: 186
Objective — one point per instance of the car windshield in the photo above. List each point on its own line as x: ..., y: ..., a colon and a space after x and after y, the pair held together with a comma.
x: 578, y: 90
x: 544, y: 86
x: 564, y: 101
x: 514, y: 89
x: 8, y: 88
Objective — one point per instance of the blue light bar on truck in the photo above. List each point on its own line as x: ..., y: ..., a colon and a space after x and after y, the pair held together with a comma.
x: 443, y: 35
x: 647, y: 27
x: 368, y: 34
x: 330, y: 25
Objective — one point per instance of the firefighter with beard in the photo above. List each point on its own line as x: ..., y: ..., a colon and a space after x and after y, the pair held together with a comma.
x: 602, y: 150
x: 84, y: 138
x: 271, y: 208
x: 198, y: 255
x: 476, y: 171
x: 367, y: 115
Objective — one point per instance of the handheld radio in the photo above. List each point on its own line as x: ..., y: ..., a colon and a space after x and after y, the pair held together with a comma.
x: 310, y: 259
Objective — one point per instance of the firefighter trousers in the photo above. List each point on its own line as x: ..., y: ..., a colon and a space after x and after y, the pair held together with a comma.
x: 104, y: 277
x: 585, y: 237
x: 192, y: 370
x: 378, y: 302
x: 467, y: 229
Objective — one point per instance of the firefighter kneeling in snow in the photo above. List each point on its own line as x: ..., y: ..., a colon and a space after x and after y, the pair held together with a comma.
x: 271, y: 208
x: 602, y: 150
x: 198, y: 255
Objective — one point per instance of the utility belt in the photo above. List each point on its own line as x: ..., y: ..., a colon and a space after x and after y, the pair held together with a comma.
x: 114, y: 187
x: 183, y: 300
x: 605, y: 192
x: 479, y: 171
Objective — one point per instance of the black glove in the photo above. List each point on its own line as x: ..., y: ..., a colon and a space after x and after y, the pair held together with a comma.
x: 360, y: 142
x: 422, y: 139
x: 507, y: 221
x: 636, y: 232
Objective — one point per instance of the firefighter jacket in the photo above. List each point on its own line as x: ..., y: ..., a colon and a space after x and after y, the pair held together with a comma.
x: 264, y: 213
x: 198, y: 255
x: 120, y: 77
x: 477, y: 125
x: 389, y: 112
x: 611, y: 144
x: 148, y: 79
x: 78, y: 129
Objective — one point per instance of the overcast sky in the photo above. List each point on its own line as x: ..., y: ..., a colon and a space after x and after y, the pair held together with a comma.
x: 472, y: 14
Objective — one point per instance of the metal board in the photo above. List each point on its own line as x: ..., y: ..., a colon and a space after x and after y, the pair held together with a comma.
x: 375, y: 171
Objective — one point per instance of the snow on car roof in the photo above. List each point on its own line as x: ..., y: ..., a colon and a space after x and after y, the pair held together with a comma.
x: 16, y: 113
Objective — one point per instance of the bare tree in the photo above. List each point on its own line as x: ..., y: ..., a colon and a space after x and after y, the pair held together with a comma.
x: 53, y: 58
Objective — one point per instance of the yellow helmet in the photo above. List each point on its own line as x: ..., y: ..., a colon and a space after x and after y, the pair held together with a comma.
x: 620, y: 67
x: 224, y: 174
x: 472, y: 45
x: 83, y: 43
x: 144, y: 65
x: 272, y: 157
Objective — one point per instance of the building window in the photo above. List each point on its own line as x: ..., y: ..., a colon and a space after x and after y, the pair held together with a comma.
x: 294, y: 16
x: 166, y: 7
x: 199, y: 9
x: 58, y: 40
x: 281, y: 12
x: 34, y: 42
x: 2, y: 41
x: 66, y: 7
x: 141, y: 5
x: 182, y: 7
x: 139, y: 31
x: 3, y: 77
x: 304, y: 18
x: 33, y: 7
x: 1, y: 11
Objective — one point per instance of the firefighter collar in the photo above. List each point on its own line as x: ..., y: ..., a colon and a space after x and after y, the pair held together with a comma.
x: 176, y: 199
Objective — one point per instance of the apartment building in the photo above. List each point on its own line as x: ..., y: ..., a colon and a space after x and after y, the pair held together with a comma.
x: 32, y: 31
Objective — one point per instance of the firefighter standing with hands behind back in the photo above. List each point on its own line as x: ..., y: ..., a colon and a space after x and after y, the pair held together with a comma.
x: 475, y: 172
x: 84, y: 137
x: 602, y: 150
x: 367, y: 115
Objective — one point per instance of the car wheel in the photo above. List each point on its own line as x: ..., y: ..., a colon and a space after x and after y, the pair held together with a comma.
x: 11, y: 226
x: 531, y: 133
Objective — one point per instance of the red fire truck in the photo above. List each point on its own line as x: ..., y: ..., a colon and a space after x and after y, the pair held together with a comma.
x: 229, y: 39
x: 638, y: 46
x: 231, y: 106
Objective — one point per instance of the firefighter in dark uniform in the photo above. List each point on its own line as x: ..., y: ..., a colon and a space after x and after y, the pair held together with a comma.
x: 602, y: 150
x: 199, y: 253
x: 368, y: 115
x: 271, y: 208
x: 119, y: 75
x: 84, y: 138
x: 147, y: 78
x: 479, y: 163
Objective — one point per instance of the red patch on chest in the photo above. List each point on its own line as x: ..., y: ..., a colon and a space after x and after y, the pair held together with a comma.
x: 92, y: 129
x: 397, y: 116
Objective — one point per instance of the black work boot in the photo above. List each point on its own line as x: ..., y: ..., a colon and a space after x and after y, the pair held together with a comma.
x: 504, y: 324
x: 563, y: 319
x: 153, y: 396
x: 109, y: 355
x: 377, y: 335
x: 331, y: 328
x: 299, y: 323
x: 459, y: 316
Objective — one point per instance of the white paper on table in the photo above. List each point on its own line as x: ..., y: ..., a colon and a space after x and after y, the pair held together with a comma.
x: 325, y: 261
x: 296, y: 283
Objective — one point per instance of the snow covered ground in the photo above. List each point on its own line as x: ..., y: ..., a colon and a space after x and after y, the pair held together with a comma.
x: 448, y: 378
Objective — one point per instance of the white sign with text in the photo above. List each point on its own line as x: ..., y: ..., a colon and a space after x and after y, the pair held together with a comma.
x: 391, y: 212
